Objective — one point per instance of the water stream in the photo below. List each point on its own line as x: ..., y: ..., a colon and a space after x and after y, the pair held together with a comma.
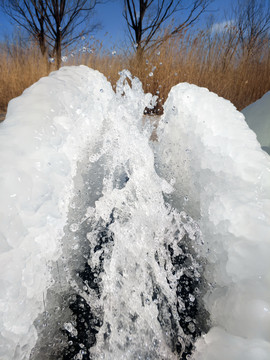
x: 130, y: 280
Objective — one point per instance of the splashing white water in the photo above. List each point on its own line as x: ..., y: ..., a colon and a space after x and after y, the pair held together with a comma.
x: 126, y: 272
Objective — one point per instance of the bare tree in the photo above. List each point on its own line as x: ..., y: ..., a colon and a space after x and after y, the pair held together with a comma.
x: 29, y: 16
x: 252, y: 22
x: 55, y: 24
x: 145, y: 18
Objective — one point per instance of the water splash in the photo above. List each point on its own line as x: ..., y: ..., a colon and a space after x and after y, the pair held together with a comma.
x: 133, y: 287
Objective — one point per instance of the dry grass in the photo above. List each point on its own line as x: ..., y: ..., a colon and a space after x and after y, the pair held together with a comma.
x: 20, y: 67
x: 209, y: 61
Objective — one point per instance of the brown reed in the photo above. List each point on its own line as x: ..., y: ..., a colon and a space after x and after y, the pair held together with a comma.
x: 213, y: 61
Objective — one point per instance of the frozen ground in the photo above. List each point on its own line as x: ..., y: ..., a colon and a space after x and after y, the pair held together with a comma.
x: 113, y: 247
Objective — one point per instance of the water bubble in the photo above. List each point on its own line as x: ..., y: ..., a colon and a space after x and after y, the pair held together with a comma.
x: 79, y: 356
x: 191, y: 327
x: 83, y: 38
x: 114, y: 52
x: 71, y: 329
x: 150, y: 74
x: 158, y: 53
x: 101, y: 90
x: 191, y: 297
x: 147, y: 62
x: 74, y: 227
x: 51, y: 60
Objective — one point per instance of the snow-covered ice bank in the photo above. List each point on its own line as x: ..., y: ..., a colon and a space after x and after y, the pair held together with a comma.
x: 257, y: 116
x: 222, y: 178
x: 45, y: 133
x: 99, y: 257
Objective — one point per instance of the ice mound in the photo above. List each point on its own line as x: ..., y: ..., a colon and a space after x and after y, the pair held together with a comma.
x: 222, y: 178
x: 258, y: 119
x: 45, y: 133
x: 138, y: 235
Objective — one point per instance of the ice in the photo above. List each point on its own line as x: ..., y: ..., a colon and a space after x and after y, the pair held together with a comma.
x: 114, y: 247
x: 39, y: 153
x: 257, y: 116
x: 213, y: 157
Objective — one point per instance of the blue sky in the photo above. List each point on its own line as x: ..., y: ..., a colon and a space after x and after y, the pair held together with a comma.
x: 113, y: 31
x: 110, y: 16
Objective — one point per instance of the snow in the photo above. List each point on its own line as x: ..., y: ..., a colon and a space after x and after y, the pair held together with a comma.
x: 209, y: 153
x: 80, y: 181
x: 257, y: 116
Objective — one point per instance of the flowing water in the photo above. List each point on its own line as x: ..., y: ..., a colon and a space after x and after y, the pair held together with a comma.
x: 130, y: 280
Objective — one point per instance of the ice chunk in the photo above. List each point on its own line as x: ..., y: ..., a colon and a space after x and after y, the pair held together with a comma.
x: 258, y: 119
x: 39, y: 153
x: 226, y: 177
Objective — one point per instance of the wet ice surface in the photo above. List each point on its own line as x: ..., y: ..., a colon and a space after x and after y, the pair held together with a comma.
x: 115, y: 303
x: 131, y: 274
x: 160, y: 249
x: 215, y: 161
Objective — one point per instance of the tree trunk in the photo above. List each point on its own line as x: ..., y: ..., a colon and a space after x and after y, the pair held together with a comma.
x: 58, y: 49
x: 139, y: 52
x: 42, y: 44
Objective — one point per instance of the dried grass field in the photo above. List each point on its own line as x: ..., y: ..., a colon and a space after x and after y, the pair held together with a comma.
x: 217, y: 62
